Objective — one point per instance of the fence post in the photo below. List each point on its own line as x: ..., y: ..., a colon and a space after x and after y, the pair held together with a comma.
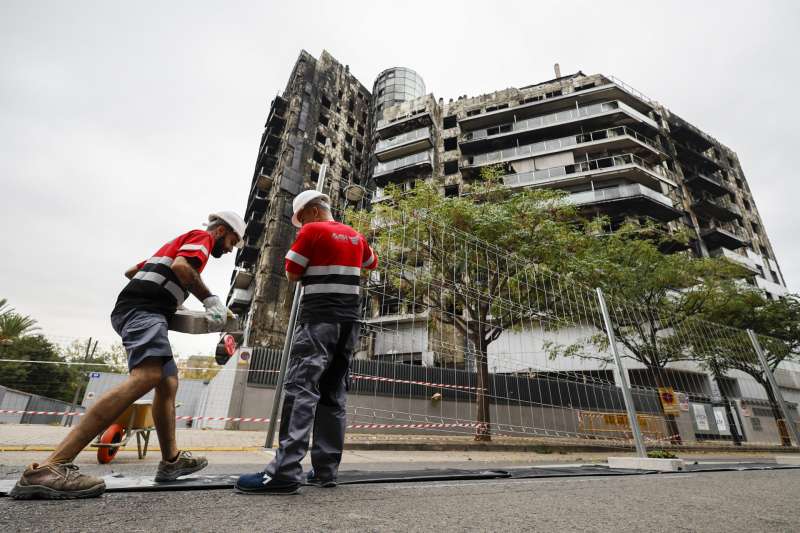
x: 287, y: 343
x: 790, y: 424
x: 626, y: 391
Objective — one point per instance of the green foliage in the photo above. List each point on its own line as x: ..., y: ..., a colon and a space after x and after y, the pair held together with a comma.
x: 12, y: 324
x: 52, y: 380
x: 661, y: 454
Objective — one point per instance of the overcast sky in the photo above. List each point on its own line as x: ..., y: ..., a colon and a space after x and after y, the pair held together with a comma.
x: 123, y: 125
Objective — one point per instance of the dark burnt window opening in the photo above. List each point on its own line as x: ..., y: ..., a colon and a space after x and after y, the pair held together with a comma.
x: 449, y: 122
x: 450, y: 143
x: 450, y: 167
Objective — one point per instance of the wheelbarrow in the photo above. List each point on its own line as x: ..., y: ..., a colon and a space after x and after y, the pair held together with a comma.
x: 135, y: 420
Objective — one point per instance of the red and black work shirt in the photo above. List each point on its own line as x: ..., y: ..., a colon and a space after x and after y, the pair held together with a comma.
x: 155, y: 287
x: 330, y: 256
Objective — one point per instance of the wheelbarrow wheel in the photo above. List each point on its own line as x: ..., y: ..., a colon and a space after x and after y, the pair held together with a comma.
x: 112, y: 435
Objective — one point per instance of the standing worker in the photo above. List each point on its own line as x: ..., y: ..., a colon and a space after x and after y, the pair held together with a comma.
x: 157, y: 287
x: 327, y: 259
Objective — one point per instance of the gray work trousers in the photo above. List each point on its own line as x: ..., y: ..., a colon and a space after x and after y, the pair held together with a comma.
x: 315, y: 394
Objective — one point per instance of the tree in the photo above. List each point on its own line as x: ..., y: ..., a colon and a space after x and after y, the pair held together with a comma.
x: 651, y: 296
x: 777, y: 322
x: 12, y: 324
x: 46, y: 377
x: 463, y: 280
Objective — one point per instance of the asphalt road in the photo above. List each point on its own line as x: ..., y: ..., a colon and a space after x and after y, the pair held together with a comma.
x: 724, y: 501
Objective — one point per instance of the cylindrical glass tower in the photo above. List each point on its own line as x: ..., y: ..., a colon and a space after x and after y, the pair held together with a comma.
x: 395, y: 85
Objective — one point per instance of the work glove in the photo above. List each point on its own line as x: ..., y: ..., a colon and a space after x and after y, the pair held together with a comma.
x: 216, y: 313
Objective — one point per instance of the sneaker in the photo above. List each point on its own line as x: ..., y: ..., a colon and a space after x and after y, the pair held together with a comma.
x: 312, y: 479
x: 184, y: 465
x: 263, y: 483
x: 56, y: 482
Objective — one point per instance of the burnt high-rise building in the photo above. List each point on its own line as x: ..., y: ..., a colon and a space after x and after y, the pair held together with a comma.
x: 614, y: 150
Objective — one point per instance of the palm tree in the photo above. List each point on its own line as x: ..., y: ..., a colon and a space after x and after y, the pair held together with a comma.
x: 12, y: 324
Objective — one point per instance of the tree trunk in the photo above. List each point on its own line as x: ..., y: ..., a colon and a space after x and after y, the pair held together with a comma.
x: 483, y: 431
x: 672, y: 424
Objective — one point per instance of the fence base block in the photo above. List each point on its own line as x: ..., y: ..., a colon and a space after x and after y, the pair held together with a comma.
x: 788, y: 459
x: 646, y: 463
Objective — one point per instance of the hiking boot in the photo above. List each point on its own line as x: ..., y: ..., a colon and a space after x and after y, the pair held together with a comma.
x: 263, y: 483
x: 183, y: 465
x: 312, y: 479
x: 56, y: 482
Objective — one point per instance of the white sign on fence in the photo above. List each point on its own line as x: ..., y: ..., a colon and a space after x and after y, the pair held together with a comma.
x: 700, y: 416
x: 721, y: 416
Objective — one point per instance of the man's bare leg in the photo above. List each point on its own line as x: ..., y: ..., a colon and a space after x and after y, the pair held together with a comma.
x: 107, y: 408
x: 164, y: 416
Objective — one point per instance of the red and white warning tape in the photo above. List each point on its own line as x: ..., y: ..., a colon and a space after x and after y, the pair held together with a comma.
x: 411, y: 382
x: 260, y: 420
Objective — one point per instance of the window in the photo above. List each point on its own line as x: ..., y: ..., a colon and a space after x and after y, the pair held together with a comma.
x: 351, y: 122
x: 348, y: 138
x: 473, y: 112
x: 360, y: 129
x: 359, y: 146
x: 584, y: 87
x: 756, y: 229
x: 552, y: 94
x: 318, y: 157
x: 450, y: 167
x: 449, y: 122
x: 320, y: 138
x: 324, y: 120
x: 450, y: 143
x: 326, y: 103
x: 746, y: 204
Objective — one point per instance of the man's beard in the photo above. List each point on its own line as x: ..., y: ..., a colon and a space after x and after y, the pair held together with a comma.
x: 218, y: 248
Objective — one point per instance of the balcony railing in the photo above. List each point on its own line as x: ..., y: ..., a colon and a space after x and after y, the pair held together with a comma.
x: 527, y: 150
x: 405, y: 138
x: 601, y: 164
x: 719, y: 208
x: 616, y: 193
x: 552, y: 119
x: 743, y: 260
x: 411, y: 160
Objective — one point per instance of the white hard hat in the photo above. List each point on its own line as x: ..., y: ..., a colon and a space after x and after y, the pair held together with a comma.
x: 233, y: 220
x: 302, y: 200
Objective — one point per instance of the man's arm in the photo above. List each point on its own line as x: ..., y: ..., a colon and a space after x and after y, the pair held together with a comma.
x: 189, y: 277
x: 291, y: 276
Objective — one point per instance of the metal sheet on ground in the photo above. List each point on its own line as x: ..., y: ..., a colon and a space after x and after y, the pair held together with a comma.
x: 122, y: 483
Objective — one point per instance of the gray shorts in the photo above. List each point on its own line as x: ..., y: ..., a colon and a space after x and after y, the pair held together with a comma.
x: 144, y: 334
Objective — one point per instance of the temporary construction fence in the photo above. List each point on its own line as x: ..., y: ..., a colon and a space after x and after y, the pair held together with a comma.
x: 460, y: 336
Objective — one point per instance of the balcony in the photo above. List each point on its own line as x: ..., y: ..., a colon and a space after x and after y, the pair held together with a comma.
x: 720, y: 209
x: 775, y: 289
x: 620, y: 137
x: 741, y: 260
x: 263, y: 183
x: 717, y: 237
x: 248, y: 254
x: 416, y: 119
x: 256, y: 206
x: 241, y: 278
x: 401, y: 168
x: 698, y: 158
x: 254, y: 228
x: 625, y: 199
x: 404, y: 144
x: 613, y: 112
x: 625, y: 166
x: 240, y: 299
x: 600, y: 93
x: 710, y: 183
